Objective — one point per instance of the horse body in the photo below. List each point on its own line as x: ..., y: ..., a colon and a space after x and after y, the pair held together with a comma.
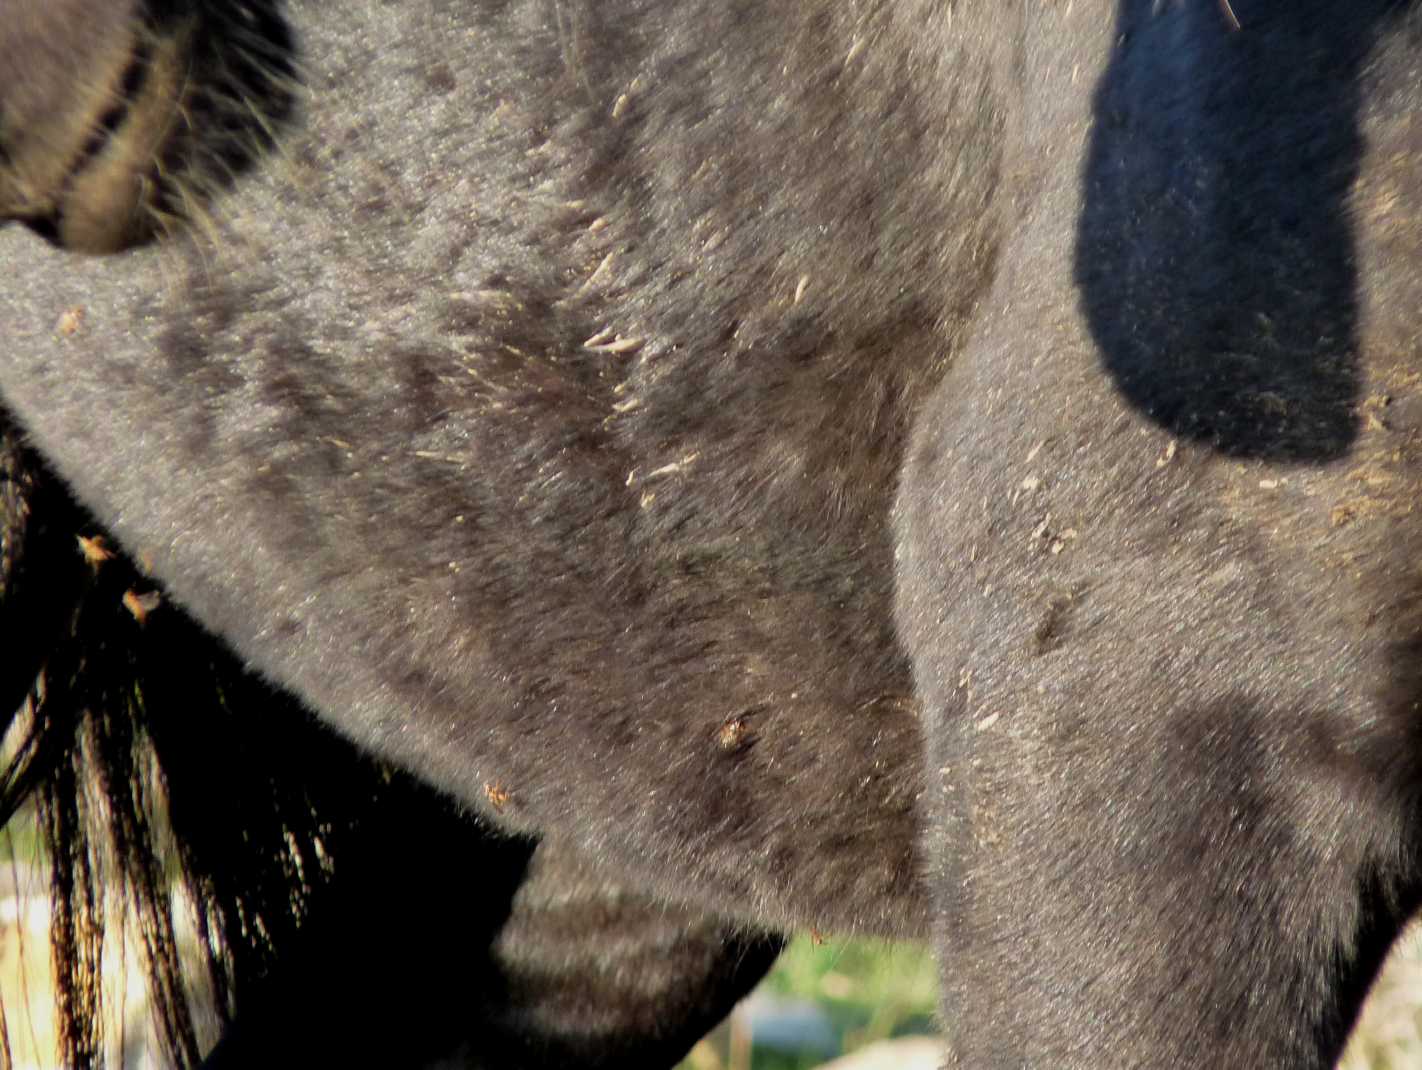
x: 535, y: 535
x: 886, y: 467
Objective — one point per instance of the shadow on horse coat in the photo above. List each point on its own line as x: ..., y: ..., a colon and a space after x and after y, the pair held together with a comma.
x: 893, y: 467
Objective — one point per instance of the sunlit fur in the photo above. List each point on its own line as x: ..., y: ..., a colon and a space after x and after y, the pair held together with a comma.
x: 933, y: 469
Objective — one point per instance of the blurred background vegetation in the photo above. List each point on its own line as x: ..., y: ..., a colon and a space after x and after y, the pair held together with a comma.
x: 825, y: 997
x: 868, y: 991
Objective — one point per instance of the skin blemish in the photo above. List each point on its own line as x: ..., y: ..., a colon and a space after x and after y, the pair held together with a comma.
x: 499, y: 796
x: 95, y: 549
x: 69, y: 322
x: 141, y: 603
x: 735, y: 733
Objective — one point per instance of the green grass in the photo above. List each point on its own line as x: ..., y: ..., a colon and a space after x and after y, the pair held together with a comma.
x: 869, y: 990
x: 872, y: 990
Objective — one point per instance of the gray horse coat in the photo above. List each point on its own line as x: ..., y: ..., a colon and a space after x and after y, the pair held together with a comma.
x: 901, y: 467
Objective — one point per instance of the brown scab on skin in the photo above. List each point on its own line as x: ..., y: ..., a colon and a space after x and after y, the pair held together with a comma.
x: 735, y: 733
x: 95, y: 549
x: 499, y: 796
x: 141, y: 603
x: 69, y: 322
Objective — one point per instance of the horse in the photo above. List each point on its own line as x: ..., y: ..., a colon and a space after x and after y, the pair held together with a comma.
x: 680, y: 473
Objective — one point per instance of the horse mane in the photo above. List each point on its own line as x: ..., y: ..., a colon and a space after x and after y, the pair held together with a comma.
x: 159, y: 769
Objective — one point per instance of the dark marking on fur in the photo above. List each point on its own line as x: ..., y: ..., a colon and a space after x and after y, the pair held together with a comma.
x: 1054, y: 625
x: 441, y: 79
